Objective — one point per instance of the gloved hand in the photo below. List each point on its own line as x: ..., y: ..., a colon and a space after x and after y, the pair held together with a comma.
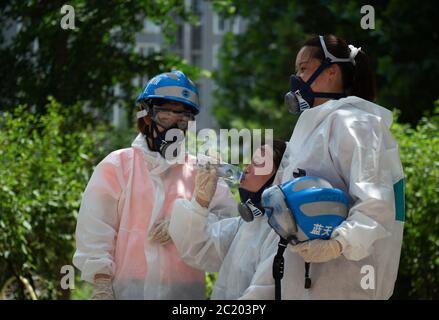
x: 318, y: 250
x: 103, y: 289
x: 205, y: 185
x: 159, y: 231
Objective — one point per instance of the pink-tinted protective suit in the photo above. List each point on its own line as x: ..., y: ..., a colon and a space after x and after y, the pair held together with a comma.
x: 129, y: 190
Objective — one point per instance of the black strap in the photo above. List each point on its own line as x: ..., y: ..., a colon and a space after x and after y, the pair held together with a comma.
x: 299, y: 173
x: 307, y: 278
x: 332, y: 95
x: 325, y: 63
x: 278, y: 267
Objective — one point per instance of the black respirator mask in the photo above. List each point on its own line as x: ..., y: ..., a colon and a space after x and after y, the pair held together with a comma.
x: 301, y: 97
x: 161, y: 144
x: 250, y: 205
x: 159, y: 140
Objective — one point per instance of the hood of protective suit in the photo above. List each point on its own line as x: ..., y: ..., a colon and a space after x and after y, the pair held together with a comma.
x: 326, y: 108
x: 154, y: 161
x: 372, y: 108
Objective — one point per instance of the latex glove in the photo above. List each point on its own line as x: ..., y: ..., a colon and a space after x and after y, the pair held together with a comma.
x: 318, y: 250
x: 103, y: 289
x: 159, y: 231
x: 205, y: 185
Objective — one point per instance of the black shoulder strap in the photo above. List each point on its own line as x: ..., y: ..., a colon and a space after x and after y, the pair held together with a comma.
x: 278, y: 267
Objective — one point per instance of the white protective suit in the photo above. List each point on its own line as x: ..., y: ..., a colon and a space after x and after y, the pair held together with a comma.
x: 240, y: 251
x: 348, y: 142
x: 129, y: 190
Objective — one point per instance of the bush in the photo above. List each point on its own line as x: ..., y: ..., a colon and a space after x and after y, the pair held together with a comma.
x: 418, y: 276
x: 45, y: 164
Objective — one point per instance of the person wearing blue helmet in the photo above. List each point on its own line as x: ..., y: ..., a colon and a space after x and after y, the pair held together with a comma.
x: 168, y: 101
x: 344, y: 137
x: 122, y: 243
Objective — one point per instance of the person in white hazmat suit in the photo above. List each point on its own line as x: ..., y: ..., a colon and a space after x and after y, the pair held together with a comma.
x: 240, y: 251
x: 344, y: 138
x: 122, y: 244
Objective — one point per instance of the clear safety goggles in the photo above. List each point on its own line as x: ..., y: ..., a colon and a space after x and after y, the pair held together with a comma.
x: 168, y: 117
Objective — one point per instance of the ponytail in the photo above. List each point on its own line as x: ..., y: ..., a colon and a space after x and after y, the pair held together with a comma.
x: 363, y: 84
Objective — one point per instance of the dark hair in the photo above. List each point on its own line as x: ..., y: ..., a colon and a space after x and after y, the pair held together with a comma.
x: 141, y: 125
x: 357, y: 80
x: 279, y: 147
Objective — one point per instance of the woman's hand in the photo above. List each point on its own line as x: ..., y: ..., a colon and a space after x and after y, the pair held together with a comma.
x: 318, y: 250
x: 102, y: 288
x: 159, y: 232
x: 205, y: 185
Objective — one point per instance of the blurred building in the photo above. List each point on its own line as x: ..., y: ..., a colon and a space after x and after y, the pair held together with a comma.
x: 197, y: 44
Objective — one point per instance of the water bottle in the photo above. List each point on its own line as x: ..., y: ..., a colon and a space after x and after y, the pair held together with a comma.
x: 224, y: 170
x: 228, y: 171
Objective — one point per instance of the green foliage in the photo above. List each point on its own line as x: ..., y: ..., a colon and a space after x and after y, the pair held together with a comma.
x: 419, y: 266
x: 84, y: 64
x: 45, y: 164
x: 256, y: 65
x: 83, y: 290
x: 210, y: 283
x: 251, y: 82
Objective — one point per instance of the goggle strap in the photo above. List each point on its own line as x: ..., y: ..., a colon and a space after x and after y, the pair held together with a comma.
x: 142, y: 113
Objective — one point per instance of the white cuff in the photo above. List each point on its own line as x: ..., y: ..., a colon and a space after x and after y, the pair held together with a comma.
x: 342, y: 242
x: 199, y: 209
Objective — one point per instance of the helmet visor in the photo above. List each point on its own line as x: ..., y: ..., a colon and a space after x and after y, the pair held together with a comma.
x: 280, y: 217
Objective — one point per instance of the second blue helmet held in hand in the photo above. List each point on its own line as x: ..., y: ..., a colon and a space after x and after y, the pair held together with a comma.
x: 305, y: 208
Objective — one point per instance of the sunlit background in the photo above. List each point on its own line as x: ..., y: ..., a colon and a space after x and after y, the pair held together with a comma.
x: 67, y: 99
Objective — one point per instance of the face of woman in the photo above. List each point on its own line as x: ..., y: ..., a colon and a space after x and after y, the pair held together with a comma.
x: 253, y: 181
x: 328, y: 81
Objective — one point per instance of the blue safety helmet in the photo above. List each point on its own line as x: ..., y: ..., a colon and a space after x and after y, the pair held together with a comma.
x: 175, y: 86
x: 305, y: 208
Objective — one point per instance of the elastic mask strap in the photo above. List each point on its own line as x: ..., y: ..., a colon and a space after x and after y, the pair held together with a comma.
x: 330, y: 95
x: 330, y: 56
x: 325, y: 63
x: 329, y: 59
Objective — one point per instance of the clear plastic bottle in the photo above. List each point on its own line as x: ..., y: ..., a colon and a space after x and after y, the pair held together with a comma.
x: 228, y: 171
x: 224, y: 170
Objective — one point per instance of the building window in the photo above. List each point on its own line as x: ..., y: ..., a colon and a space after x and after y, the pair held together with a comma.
x: 196, y: 38
x: 145, y: 49
x: 179, y: 38
x: 197, y: 7
x: 196, y: 59
x: 150, y: 27
x: 222, y: 25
